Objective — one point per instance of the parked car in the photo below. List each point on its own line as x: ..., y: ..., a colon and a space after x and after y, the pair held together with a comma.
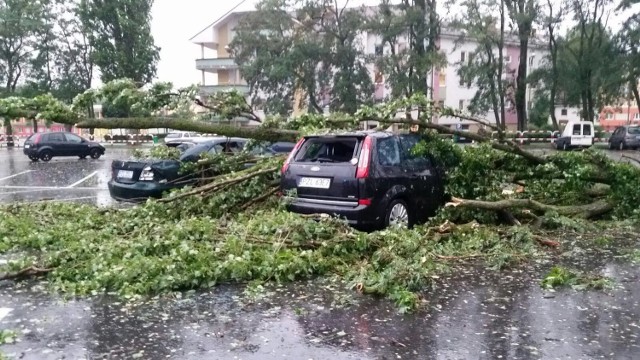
x: 576, y: 134
x: 45, y: 146
x: 181, y: 137
x: 625, y: 137
x: 371, y: 179
x: 138, y: 180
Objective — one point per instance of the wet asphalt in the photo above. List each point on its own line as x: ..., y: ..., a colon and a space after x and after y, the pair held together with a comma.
x: 476, y: 314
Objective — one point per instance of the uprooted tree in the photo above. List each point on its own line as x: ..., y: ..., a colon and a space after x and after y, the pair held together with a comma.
x: 231, y: 225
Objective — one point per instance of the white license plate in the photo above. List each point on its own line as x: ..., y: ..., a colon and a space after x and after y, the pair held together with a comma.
x: 125, y: 174
x: 318, y: 183
x: 28, y: 146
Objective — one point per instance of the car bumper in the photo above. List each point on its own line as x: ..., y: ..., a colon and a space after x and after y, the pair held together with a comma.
x: 138, y: 191
x: 355, y: 215
x: 30, y: 151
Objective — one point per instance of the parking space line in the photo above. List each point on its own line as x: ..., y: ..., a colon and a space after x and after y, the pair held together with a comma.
x: 14, y: 175
x: 47, y: 188
x: 4, y: 312
x: 83, y: 179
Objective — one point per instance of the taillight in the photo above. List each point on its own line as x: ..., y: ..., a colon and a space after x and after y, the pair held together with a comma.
x: 366, y: 202
x: 363, y: 162
x: 285, y: 166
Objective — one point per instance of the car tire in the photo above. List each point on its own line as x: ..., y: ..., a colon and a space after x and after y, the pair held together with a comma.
x: 82, y: 157
x: 33, y: 158
x: 611, y: 147
x: 95, y: 153
x: 621, y: 146
x: 565, y: 146
x: 46, y: 155
x: 398, y: 214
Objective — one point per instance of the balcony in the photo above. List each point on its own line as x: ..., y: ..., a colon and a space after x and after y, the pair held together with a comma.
x: 211, y: 89
x: 216, y: 64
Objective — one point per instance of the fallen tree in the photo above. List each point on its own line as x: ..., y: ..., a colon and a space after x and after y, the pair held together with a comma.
x: 203, y: 235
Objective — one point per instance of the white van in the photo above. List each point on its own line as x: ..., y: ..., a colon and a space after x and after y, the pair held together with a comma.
x: 577, y: 134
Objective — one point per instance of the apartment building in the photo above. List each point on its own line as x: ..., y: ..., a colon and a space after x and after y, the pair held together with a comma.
x: 626, y: 113
x: 219, y: 71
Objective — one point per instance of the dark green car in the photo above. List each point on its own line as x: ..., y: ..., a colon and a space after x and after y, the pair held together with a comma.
x: 138, y: 180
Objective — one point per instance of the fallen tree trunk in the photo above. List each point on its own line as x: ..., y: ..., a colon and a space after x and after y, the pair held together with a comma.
x: 584, y: 211
x: 268, y: 134
x: 265, y: 134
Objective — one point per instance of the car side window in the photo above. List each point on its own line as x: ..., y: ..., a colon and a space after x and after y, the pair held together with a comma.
x: 73, y: 138
x: 388, y: 152
x: 411, y: 159
x: 56, y: 137
x: 576, y: 129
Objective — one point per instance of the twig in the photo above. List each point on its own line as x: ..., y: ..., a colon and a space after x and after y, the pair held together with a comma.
x: 216, y: 185
x: 259, y: 199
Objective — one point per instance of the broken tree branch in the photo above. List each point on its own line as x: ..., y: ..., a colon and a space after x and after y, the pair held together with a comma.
x: 585, y: 211
x: 25, y: 273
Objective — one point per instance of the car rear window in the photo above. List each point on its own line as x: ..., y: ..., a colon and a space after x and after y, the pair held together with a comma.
x: 333, y: 150
x: 634, y: 130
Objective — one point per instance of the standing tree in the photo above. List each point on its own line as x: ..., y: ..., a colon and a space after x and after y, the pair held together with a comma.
x: 20, y: 23
x: 120, y: 33
x: 409, y: 33
x: 289, y: 48
x: 628, y: 40
x: 522, y: 13
x: 485, y: 67
x: 589, y: 69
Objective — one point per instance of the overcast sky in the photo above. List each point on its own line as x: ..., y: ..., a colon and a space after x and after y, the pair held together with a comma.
x: 175, y: 22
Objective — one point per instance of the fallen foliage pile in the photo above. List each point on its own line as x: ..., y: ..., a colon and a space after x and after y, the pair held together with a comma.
x: 231, y: 229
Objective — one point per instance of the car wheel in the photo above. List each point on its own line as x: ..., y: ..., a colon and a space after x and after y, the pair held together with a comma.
x: 33, y: 158
x: 611, y: 147
x: 46, y: 155
x: 397, y: 215
x: 82, y: 157
x: 621, y: 146
x: 565, y: 146
x: 95, y: 153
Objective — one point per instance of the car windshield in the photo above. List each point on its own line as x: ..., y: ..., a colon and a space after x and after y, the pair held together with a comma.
x: 173, y: 135
x: 634, y: 130
x: 333, y: 150
x: 196, y: 150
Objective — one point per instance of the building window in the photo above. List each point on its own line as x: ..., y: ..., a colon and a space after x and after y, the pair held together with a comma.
x: 461, y: 104
x: 609, y: 116
x: 636, y: 116
x: 462, y: 56
x: 379, y: 79
x: 507, y: 59
x: 563, y: 112
x: 461, y: 81
x: 531, y: 60
x: 379, y: 50
x: 442, y: 79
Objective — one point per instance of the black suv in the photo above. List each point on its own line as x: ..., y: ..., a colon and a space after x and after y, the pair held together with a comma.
x: 44, y: 146
x: 371, y: 179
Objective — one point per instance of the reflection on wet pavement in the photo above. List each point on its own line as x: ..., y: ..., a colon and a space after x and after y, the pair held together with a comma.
x: 68, y: 179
